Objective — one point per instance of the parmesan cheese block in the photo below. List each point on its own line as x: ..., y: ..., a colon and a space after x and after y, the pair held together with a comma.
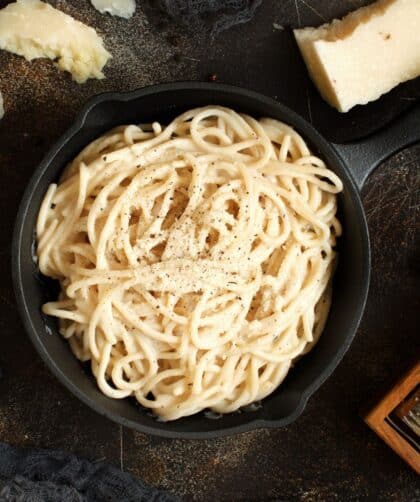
x: 357, y: 59
x: 33, y: 29
x: 121, y: 8
x: 1, y: 106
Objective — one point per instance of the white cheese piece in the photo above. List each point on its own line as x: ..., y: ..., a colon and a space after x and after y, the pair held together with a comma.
x: 121, y: 8
x: 1, y: 106
x: 34, y: 29
x: 357, y: 59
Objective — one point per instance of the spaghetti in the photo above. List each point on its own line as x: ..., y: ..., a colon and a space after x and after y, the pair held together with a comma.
x: 194, y: 259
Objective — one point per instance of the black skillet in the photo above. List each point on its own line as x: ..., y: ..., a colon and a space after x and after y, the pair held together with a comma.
x: 352, y: 163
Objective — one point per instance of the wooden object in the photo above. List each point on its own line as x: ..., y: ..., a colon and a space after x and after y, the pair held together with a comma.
x: 376, y: 417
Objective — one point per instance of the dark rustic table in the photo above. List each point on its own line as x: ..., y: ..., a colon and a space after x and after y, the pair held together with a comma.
x: 328, y: 453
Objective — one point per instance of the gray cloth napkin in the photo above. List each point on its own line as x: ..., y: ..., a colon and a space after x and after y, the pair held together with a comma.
x: 38, y: 475
x: 209, y: 15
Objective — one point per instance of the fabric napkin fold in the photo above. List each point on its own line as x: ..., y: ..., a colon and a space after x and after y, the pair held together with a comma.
x: 40, y: 475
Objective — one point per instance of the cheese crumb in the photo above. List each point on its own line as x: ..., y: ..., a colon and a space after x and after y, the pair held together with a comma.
x: 364, y: 55
x: 121, y: 8
x: 33, y: 29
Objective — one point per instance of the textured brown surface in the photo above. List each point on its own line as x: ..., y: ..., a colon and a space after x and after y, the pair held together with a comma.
x: 328, y: 454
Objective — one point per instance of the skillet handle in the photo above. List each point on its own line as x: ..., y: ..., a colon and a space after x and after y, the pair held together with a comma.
x: 365, y: 155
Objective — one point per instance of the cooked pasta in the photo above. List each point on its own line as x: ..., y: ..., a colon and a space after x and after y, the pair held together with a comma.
x: 194, y: 259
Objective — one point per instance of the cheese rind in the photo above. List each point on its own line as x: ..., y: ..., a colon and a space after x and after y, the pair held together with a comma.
x: 120, y: 8
x: 33, y: 29
x: 357, y: 59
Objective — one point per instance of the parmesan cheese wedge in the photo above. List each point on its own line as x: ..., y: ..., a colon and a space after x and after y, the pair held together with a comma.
x: 364, y: 55
x: 120, y: 8
x: 33, y: 29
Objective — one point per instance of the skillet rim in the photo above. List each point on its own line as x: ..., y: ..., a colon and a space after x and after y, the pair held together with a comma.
x: 303, y: 127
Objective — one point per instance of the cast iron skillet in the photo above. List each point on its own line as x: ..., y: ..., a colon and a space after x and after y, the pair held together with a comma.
x: 162, y: 102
